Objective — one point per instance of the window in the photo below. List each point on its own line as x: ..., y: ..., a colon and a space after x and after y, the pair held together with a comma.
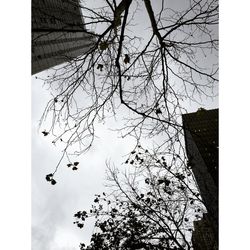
x: 43, y: 20
x: 53, y: 20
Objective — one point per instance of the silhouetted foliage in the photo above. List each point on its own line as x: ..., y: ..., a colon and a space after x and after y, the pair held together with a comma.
x: 143, y: 79
x: 49, y: 178
x: 144, y: 82
x: 45, y: 133
x: 150, y: 209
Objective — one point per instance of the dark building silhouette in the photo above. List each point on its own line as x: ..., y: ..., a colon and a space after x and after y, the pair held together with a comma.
x: 58, y: 33
x: 203, y: 237
x: 201, y: 139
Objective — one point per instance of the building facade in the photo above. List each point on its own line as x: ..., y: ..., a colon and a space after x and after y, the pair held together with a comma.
x: 201, y: 139
x: 58, y: 33
x: 203, y: 237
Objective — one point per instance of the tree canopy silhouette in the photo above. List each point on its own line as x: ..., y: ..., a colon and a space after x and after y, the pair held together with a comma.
x: 152, y: 207
x: 143, y: 79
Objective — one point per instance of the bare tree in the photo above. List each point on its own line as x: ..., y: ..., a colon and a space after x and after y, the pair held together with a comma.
x: 151, y: 207
x: 142, y: 80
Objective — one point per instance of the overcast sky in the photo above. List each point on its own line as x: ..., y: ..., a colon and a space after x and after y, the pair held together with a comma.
x: 53, y: 207
x: 15, y: 129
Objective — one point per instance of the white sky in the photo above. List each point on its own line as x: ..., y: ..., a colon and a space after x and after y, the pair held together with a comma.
x: 15, y: 130
x: 53, y: 207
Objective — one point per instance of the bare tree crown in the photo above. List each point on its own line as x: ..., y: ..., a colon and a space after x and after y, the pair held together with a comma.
x: 147, y: 59
x: 143, y: 79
